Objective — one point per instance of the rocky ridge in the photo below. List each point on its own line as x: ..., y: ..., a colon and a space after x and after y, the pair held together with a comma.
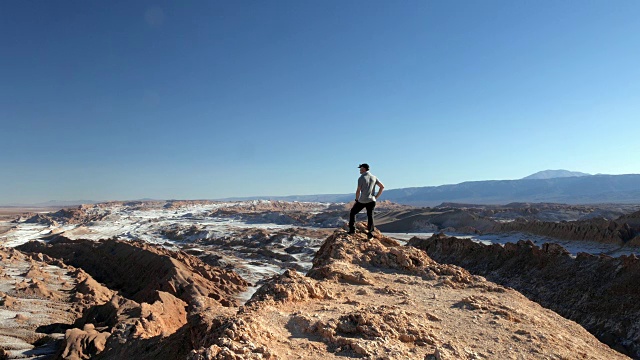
x: 379, y: 300
x: 599, y: 230
x: 364, y: 299
x: 79, y: 215
x: 283, y: 248
x: 170, y: 319
x: 611, y: 224
x: 39, y: 299
x: 149, y: 295
x: 599, y: 292
x: 623, y: 230
x: 157, y: 269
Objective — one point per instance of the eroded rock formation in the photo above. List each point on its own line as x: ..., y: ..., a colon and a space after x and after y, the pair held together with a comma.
x: 376, y: 299
x: 139, y: 270
x: 599, y: 230
x: 599, y: 292
x: 40, y: 300
x: 361, y: 299
x: 146, y: 302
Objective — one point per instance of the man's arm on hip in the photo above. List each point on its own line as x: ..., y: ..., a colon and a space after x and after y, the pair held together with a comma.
x: 381, y: 186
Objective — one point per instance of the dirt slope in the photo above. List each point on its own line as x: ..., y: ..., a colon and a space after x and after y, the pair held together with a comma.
x: 600, y: 292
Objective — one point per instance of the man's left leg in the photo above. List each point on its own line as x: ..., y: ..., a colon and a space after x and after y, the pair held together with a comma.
x: 357, y: 207
x: 370, y: 225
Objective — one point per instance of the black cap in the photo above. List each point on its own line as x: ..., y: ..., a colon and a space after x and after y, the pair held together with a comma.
x: 365, y: 165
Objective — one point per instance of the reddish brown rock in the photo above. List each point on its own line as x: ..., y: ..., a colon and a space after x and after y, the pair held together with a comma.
x: 382, y: 252
x: 600, y: 230
x: 290, y: 286
x: 79, y: 215
x: 139, y: 270
x: 41, y: 219
x: 36, y: 288
x: 88, y: 292
x: 35, y: 272
x: 410, y: 308
x: 162, y: 318
x: 83, y: 343
x: 144, y: 301
x: 599, y: 292
x: 364, y: 298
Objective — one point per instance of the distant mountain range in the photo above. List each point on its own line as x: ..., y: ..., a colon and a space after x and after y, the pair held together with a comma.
x: 53, y: 203
x: 62, y: 203
x: 552, y: 174
x: 591, y: 189
x: 556, y: 186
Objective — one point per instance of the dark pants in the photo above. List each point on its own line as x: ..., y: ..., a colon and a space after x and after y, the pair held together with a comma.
x: 357, y: 207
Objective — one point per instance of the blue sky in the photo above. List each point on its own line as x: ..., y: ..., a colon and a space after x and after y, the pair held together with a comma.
x: 209, y: 99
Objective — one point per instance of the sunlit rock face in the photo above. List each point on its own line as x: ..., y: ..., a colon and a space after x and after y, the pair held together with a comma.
x: 374, y: 298
x: 599, y: 292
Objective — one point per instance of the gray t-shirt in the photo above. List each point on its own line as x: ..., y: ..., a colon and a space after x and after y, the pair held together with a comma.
x: 367, y: 184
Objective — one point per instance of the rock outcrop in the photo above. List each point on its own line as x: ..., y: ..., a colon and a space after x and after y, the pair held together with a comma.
x: 632, y: 219
x: 41, y: 219
x: 40, y: 300
x: 83, y: 343
x: 599, y: 230
x: 81, y: 214
x: 145, y: 302
x: 301, y: 215
x: 362, y: 298
x: 599, y: 292
x: 426, y: 219
x: 138, y: 270
x: 379, y: 300
x: 605, y: 223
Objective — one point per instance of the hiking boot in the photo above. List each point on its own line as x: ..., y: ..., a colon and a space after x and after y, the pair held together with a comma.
x: 369, y: 235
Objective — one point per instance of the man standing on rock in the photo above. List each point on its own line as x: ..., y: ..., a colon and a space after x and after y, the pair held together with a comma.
x: 365, y: 198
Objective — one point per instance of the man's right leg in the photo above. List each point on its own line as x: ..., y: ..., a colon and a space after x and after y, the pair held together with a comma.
x: 357, y: 207
x: 370, y: 225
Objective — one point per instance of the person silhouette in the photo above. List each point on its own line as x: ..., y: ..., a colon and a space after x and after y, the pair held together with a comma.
x: 365, y: 198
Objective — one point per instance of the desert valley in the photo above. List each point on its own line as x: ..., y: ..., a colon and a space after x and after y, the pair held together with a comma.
x: 267, y: 279
x: 179, y: 180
